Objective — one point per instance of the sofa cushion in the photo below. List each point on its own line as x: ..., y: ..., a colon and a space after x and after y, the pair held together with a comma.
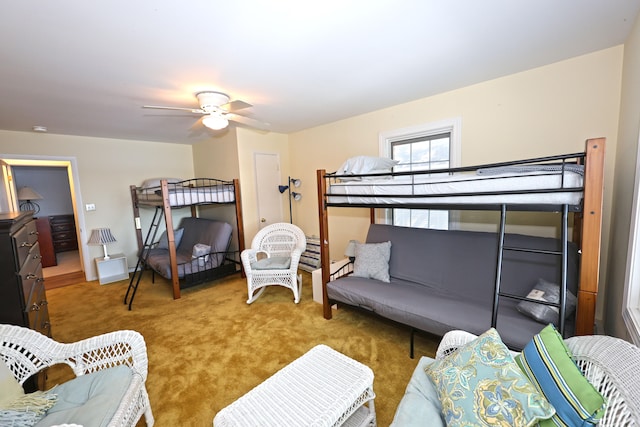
x: 420, y: 403
x: 372, y: 261
x: 89, y: 400
x: 272, y: 263
x: 163, y: 242
x: 547, y: 361
x: 481, y: 384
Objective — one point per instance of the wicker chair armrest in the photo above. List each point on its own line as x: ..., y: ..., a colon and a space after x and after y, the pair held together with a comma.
x: 124, y: 347
x: 612, y: 365
x: 451, y: 341
x: 295, y: 258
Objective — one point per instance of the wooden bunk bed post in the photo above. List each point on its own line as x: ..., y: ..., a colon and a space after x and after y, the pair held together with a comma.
x: 136, y: 217
x: 324, y: 242
x: 166, y: 205
x: 239, y: 218
x: 591, y: 236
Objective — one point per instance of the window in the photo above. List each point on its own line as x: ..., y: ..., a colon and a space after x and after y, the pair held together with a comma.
x: 426, y: 147
x: 631, y: 305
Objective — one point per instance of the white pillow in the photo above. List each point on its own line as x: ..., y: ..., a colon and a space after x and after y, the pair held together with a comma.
x: 155, y: 182
x: 372, y: 261
x: 366, y: 164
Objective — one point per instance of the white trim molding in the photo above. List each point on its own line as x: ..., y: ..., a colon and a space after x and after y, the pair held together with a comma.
x: 452, y: 126
x: 631, y: 304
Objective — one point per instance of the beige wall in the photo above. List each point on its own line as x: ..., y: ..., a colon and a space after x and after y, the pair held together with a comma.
x: 544, y: 111
x: 106, y: 169
x: 623, y: 185
x: 218, y: 158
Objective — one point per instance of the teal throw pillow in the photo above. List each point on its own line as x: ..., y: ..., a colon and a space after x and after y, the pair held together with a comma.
x: 481, y: 384
x: 547, y: 362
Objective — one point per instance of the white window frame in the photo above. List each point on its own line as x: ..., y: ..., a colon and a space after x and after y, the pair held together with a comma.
x: 631, y: 304
x: 453, y: 126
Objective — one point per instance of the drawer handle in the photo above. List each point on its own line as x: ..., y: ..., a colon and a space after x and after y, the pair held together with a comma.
x: 31, y: 276
x: 37, y: 256
x: 26, y: 244
x: 40, y: 279
x: 35, y: 307
x: 46, y: 325
x: 34, y: 232
x: 43, y: 303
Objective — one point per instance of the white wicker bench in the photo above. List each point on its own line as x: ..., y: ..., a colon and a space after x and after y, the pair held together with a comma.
x: 321, y: 388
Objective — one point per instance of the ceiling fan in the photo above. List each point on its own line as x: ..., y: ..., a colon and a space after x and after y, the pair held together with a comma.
x: 217, y: 110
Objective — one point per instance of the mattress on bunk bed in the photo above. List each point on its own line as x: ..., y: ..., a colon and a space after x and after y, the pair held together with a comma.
x: 196, y: 231
x: 180, y: 195
x: 514, y: 186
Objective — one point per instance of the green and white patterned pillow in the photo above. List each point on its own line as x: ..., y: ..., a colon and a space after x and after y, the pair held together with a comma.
x: 480, y: 384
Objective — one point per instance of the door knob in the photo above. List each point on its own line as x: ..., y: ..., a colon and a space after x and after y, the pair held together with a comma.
x: 263, y: 220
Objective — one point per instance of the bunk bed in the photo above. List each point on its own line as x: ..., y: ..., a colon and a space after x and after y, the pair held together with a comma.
x: 564, y: 183
x: 165, y: 195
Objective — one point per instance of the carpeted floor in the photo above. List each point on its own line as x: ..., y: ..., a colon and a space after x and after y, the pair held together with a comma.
x: 209, y: 347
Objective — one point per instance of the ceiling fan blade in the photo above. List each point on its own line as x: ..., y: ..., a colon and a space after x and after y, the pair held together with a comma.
x: 235, y: 106
x: 248, y: 121
x: 160, y: 107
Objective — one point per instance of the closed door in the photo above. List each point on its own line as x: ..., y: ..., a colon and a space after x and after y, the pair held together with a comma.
x: 267, y: 169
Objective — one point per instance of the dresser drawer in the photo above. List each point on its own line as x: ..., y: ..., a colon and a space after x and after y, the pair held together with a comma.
x: 24, y: 240
x: 62, y: 227
x: 30, y: 282
x: 65, y: 245
x: 63, y: 233
x: 38, y: 309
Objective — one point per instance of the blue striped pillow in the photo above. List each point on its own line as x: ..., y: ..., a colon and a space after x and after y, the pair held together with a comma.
x: 547, y: 362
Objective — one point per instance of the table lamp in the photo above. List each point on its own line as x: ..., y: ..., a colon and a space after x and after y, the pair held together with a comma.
x: 101, y: 236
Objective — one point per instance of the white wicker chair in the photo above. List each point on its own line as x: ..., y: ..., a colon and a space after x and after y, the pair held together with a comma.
x: 611, y: 364
x: 27, y: 352
x: 274, y: 240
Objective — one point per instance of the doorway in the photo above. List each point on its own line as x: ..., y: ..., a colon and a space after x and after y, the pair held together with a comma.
x: 60, y: 222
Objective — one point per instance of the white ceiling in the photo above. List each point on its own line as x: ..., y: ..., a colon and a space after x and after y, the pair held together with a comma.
x: 87, y: 67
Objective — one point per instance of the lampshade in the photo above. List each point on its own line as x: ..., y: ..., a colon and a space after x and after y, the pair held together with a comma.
x: 296, y: 182
x: 296, y: 196
x: 215, y: 121
x: 350, y: 251
x: 101, y: 236
x: 28, y: 193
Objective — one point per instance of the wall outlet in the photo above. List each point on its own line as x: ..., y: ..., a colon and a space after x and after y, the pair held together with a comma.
x: 90, y: 207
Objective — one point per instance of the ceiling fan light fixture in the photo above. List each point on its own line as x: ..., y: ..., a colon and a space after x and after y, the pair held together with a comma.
x: 215, y: 121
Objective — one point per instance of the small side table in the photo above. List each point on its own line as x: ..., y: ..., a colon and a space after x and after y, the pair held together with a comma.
x: 321, y: 388
x: 112, y: 269
x: 316, y: 277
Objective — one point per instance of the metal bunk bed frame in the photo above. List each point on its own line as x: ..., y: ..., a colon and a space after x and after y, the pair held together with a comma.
x: 587, y: 227
x: 163, y: 210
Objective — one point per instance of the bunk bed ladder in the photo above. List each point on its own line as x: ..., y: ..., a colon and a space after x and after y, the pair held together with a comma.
x: 143, y: 256
x: 563, y: 253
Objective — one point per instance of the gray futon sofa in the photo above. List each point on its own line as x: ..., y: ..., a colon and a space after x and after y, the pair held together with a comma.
x: 441, y: 280
x: 202, y: 251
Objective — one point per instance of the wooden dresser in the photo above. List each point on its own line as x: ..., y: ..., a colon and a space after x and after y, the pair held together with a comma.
x: 46, y: 242
x: 23, y: 300
x: 63, y: 233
